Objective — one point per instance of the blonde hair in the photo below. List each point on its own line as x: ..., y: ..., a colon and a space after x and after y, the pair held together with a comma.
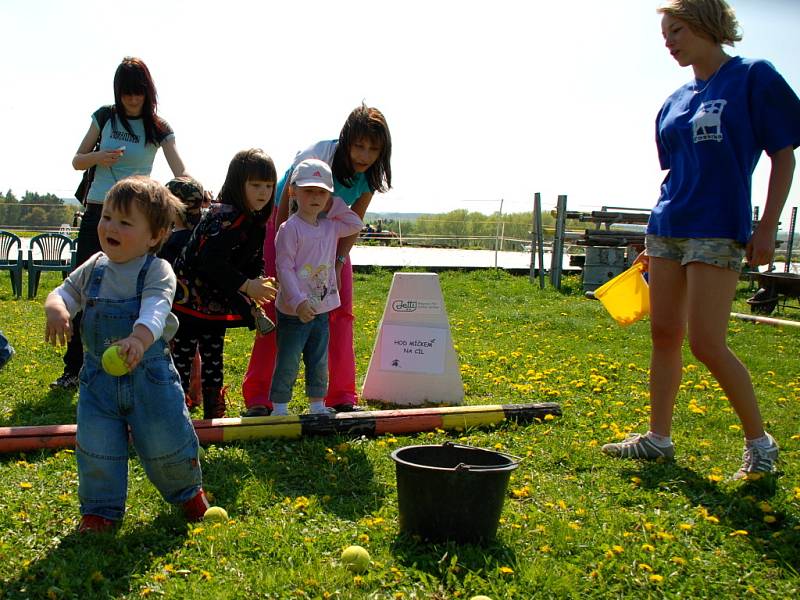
x: 155, y: 201
x: 712, y: 18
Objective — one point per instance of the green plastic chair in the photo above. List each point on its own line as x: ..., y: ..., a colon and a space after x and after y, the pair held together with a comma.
x: 11, y: 260
x: 49, y: 252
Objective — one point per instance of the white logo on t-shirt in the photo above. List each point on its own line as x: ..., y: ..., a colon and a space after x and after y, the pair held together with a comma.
x: 706, y: 122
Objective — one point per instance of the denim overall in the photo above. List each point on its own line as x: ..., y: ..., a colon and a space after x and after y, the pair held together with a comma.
x: 149, y: 400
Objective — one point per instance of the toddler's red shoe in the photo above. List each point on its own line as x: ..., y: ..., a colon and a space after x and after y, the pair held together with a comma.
x: 195, y: 508
x: 95, y: 524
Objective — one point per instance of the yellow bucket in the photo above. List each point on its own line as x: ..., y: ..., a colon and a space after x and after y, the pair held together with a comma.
x: 626, y: 297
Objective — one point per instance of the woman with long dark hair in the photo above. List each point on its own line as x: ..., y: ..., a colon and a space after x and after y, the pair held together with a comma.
x: 122, y: 140
x: 361, y: 164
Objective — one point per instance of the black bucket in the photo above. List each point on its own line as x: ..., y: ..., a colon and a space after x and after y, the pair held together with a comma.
x: 451, y: 492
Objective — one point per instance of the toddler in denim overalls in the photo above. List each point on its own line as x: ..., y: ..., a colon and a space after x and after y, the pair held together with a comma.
x: 148, y: 401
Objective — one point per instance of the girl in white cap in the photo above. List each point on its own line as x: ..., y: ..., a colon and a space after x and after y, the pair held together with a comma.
x: 360, y: 161
x: 305, y: 258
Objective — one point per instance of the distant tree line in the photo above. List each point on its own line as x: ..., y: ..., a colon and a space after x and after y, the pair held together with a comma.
x: 464, y: 229
x: 34, y: 210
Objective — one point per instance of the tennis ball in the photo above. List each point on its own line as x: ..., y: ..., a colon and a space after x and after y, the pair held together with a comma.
x: 356, y: 559
x: 480, y: 598
x: 216, y: 513
x: 113, y: 364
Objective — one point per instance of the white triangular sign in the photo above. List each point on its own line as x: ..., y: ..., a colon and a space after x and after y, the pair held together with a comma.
x: 413, y: 361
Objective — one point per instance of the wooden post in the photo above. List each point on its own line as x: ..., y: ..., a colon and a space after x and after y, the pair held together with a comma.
x: 537, y: 241
x: 537, y: 209
x: 790, y: 241
x: 558, y: 242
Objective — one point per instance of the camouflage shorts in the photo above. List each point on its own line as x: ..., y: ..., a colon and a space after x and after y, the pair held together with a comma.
x: 719, y: 252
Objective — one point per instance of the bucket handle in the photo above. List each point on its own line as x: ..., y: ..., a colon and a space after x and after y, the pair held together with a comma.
x: 462, y: 467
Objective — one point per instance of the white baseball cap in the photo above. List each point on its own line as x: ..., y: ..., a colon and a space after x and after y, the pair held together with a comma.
x: 313, y: 172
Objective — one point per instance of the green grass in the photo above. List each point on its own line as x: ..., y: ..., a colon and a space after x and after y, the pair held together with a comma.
x: 575, y: 523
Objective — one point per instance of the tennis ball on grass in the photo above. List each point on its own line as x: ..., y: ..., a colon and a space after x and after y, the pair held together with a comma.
x: 216, y: 513
x: 480, y: 598
x: 356, y: 559
x: 113, y: 363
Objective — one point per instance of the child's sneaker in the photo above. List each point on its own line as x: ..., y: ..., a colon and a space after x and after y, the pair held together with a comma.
x: 95, y: 524
x: 195, y: 508
x: 258, y: 410
x: 758, y: 460
x: 639, y: 446
x: 67, y: 381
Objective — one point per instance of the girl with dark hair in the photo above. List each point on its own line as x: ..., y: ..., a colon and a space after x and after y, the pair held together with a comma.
x: 710, y: 134
x: 219, y: 270
x: 129, y: 133
x: 361, y: 163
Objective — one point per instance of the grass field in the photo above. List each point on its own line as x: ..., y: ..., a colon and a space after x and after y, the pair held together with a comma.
x: 575, y: 523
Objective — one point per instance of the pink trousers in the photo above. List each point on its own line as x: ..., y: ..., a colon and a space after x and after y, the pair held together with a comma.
x: 341, y: 356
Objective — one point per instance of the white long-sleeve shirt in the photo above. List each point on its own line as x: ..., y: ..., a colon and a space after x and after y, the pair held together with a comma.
x: 119, y: 282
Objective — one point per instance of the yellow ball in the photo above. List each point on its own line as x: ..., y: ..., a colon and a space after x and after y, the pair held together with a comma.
x: 356, y: 559
x: 480, y: 598
x: 216, y: 513
x: 113, y: 364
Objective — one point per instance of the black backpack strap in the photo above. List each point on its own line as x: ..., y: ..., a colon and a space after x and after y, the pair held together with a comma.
x: 103, y: 115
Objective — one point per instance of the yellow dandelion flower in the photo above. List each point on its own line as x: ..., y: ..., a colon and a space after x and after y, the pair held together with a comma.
x: 25, y: 485
x: 735, y: 427
x: 617, y: 548
x: 544, y: 548
x: 506, y: 570
x: 685, y: 526
x: 549, y: 417
x: 715, y: 478
x: 205, y: 575
x: 648, y: 548
x: 645, y: 567
x: 678, y: 560
x: 636, y: 480
x: 655, y: 578
x: 770, y: 518
x: 738, y: 532
x: 712, y: 519
x: 765, y: 507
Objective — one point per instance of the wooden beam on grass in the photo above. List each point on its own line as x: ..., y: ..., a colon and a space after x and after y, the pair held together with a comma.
x: 370, y: 423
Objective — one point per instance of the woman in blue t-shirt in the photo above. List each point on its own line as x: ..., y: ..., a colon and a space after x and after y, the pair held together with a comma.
x: 129, y: 133
x: 710, y: 134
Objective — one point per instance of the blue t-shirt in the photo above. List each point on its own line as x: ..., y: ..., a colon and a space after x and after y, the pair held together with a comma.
x: 710, y: 135
x: 324, y: 151
x: 137, y: 159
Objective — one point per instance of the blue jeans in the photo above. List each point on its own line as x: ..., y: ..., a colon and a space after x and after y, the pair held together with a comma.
x: 295, y: 338
x: 6, y: 350
x: 148, y: 401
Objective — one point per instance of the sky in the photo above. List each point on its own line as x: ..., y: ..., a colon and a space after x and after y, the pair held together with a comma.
x: 486, y: 101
